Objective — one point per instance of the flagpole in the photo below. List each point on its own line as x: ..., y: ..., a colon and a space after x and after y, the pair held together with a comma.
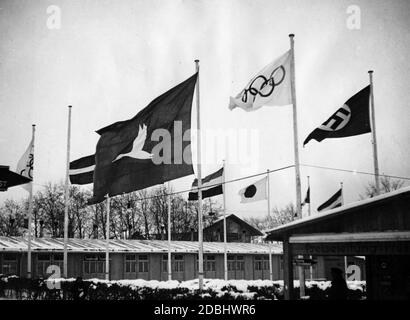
x: 66, y: 195
x: 225, y: 245
x: 169, y: 234
x: 268, y: 195
x: 295, y: 127
x: 374, y: 141
x: 345, y: 257
x: 200, y: 235
x: 309, y: 213
x: 30, y: 210
x: 270, y: 250
x: 296, y: 150
x: 107, y: 247
x: 308, y: 178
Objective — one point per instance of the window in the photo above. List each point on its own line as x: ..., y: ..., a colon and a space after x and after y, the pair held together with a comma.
x: 209, y: 263
x: 232, y: 237
x: 165, y: 263
x: 130, y: 263
x: 9, y: 265
x: 94, y: 264
x: 266, y: 263
x: 231, y: 263
x: 240, y: 265
x: 58, y: 260
x: 261, y: 263
x: 43, y: 261
x: 258, y: 265
x: 178, y: 263
x: 143, y: 263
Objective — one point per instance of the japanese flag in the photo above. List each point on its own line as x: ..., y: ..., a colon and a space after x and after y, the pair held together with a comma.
x: 254, y: 192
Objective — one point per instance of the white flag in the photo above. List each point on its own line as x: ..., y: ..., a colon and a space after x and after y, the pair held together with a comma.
x: 25, y: 165
x: 254, y: 192
x: 269, y: 87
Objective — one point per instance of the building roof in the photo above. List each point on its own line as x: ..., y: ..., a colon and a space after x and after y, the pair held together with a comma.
x: 254, y: 231
x: 19, y: 244
x: 319, y: 220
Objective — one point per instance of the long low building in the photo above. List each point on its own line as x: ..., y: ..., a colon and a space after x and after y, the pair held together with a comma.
x: 143, y: 259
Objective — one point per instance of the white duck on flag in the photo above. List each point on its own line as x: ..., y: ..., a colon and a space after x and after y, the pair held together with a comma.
x: 136, y: 151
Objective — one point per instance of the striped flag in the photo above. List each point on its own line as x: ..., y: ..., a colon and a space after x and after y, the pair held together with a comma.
x: 307, y: 198
x: 334, y: 202
x: 82, y: 170
x: 211, y: 186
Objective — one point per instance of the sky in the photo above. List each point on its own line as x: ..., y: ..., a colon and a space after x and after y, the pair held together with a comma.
x: 109, y: 59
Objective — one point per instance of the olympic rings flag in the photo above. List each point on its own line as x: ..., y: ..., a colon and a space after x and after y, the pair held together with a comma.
x: 269, y: 87
x: 26, y: 163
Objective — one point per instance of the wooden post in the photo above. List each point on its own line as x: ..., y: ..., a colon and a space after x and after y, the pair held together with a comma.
x: 287, y: 269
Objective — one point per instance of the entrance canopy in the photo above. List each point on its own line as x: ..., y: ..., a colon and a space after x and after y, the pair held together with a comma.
x: 377, y: 228
x: 388, y: 212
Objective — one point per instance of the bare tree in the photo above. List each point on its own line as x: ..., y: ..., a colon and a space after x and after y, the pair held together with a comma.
x: 387, y: 184
x: 279, y: 216
x: 12, y: 215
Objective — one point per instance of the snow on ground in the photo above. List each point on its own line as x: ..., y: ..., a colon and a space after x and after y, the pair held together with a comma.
x: 217, y: 284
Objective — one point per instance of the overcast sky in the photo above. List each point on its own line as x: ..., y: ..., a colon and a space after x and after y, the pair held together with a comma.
x: 109, y: 59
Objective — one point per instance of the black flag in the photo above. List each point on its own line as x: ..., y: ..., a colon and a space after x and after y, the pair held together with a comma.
x: 151, y: 148
x: 333, y: 202
x: 350, y: 120
x: 307, y: 198
x: 211, y: 186
x: 82, y: 170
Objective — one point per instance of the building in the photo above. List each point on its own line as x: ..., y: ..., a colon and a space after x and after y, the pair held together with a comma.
x: 143, y: 259
x: 237, y: 229
x: 377, y: 228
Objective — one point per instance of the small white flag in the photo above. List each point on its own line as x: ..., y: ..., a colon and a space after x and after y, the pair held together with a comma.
x: 25, y: 165
x: 254, y: 192
x: 269, y: 87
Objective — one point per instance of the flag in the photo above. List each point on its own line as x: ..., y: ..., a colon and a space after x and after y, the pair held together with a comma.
x: 211, y: 186
x: 254, y: 192
x: 334, y: 202
x: 25, y: 165
x: 269, y: 87
x: 82, y: 170
x: 151, y: 148
x: 350, y: 120
x: 307, y: 198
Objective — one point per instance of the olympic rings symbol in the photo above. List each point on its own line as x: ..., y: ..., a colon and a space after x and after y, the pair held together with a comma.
x: 263, y: 86
x: 29, y: 167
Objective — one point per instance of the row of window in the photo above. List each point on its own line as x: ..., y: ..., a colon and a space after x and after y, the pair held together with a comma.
x: 134, y: 263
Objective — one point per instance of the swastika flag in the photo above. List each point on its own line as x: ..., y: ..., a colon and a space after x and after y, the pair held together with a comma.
x: 350, y: 120
x: 269, y: 87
